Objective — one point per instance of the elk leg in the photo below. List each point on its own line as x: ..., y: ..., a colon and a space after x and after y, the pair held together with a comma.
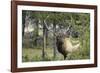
x: 64, y: 57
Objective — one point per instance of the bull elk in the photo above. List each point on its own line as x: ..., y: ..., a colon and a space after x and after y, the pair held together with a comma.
x: 64, y: 45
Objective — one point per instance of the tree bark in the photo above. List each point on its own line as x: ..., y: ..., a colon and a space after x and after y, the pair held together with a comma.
x: 46, y: 38
x: 55, y: 49
x: 37, y: 33
x: 44, y: 41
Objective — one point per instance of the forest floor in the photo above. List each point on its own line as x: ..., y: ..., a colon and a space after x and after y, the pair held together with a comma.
x: 35, y: 55
x: 30, y: 55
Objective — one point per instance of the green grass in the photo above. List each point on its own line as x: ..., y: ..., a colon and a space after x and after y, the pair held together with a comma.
x: 29, y: 55
x: 35, y: 55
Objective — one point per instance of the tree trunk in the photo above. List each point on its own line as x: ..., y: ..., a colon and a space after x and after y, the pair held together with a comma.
x: 37, y: 33
x: 44, y: 41
x: 46, y: 38
x: 55, y: 49
x: 23, y: 26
